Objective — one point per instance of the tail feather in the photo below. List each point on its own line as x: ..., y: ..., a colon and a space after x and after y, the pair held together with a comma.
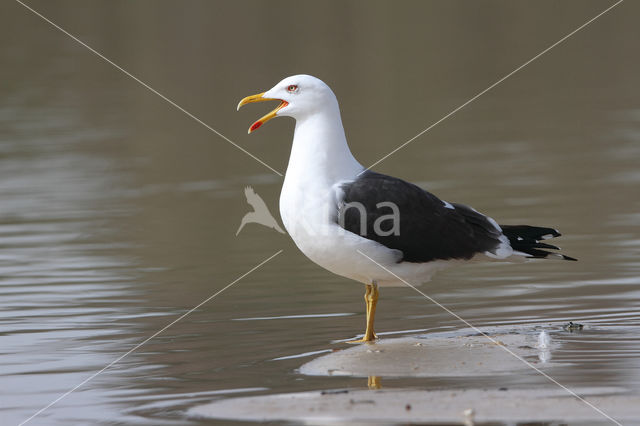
x: 545, y: 246
x: 526, y: 239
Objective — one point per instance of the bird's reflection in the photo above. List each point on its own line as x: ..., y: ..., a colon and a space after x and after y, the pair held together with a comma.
x: 374, y: 382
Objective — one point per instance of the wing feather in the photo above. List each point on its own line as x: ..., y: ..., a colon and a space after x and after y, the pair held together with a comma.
x: 429, y: 229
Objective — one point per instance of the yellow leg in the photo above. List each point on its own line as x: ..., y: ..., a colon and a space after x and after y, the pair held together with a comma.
x: 371, y: 299
x: 373, y: 382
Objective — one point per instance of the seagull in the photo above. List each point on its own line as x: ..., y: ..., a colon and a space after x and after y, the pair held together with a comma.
x: 367, y: 226
x: 260, y: 213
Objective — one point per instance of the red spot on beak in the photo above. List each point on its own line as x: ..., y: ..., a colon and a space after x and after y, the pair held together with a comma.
x: 255, y: 125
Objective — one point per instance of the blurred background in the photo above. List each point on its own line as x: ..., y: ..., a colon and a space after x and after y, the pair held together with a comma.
x: 118, y: 212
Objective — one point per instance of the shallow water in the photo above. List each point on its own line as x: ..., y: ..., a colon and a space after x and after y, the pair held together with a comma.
x: 118, y: 213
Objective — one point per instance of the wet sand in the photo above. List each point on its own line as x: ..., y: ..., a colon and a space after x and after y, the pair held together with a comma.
x: 457, y: 356
x: 464, y: 353
x: 460, y: 406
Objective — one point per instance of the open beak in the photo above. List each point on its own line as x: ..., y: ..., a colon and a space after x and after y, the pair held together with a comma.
x: 259, y: 98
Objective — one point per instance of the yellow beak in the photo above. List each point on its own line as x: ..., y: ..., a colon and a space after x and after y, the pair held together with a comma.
x: 259, y: 98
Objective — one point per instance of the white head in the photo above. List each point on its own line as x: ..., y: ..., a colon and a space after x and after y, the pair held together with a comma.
x: 299, y: 96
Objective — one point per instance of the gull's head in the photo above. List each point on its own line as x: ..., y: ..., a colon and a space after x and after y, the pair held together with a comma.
x: 299, y: 96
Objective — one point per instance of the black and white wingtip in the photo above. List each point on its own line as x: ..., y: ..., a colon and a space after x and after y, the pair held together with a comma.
x: 526, y: 240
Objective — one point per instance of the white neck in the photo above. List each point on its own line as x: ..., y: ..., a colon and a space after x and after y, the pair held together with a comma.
x: 320, y: 150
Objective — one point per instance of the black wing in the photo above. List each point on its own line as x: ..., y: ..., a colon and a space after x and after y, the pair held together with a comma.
x: 426, y: 228
x: 527, y: 239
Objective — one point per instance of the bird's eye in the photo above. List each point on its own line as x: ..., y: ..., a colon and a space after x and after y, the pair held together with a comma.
x: 292, y: 88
